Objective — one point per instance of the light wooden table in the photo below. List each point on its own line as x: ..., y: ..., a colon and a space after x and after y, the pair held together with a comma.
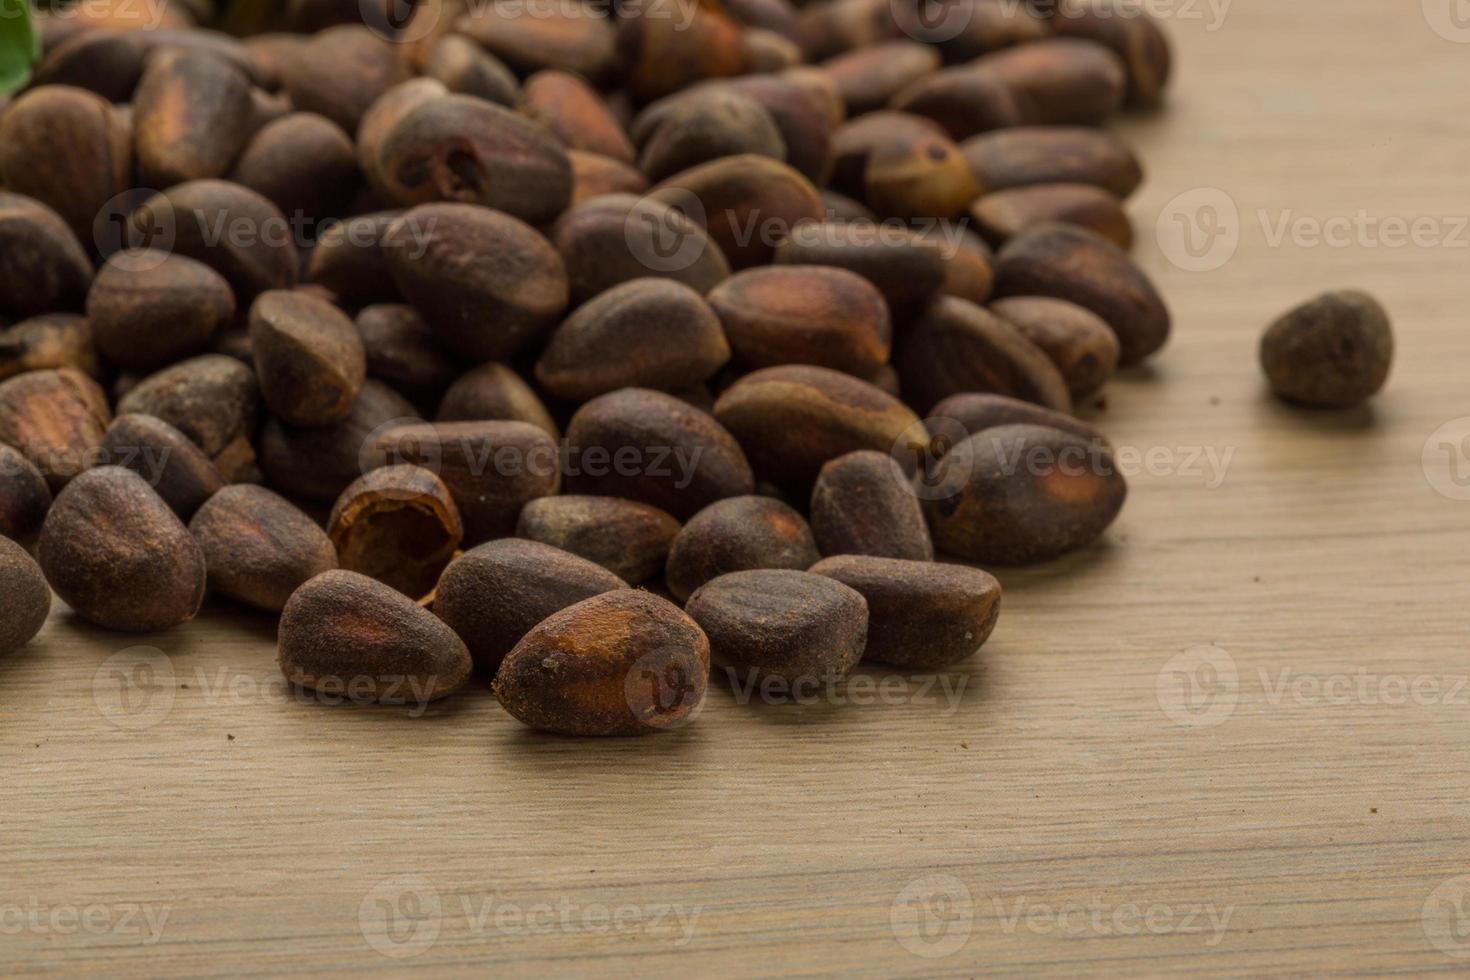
x: 1236, y: 739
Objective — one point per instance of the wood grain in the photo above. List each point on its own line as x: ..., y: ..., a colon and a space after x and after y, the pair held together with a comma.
x: 1302, y: 822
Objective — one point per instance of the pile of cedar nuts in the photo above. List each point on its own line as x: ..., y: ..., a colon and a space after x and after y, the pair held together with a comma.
x: 666, y: 275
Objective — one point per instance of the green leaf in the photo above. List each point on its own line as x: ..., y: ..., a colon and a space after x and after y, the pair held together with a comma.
x: 20, y: 45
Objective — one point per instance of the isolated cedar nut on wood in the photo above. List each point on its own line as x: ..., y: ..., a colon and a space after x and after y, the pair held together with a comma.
x: 258, y: 546
x: 340, y: 72
x: 921, y: 615
x: 735, y: 535
x: 319, y: 463
x: 309, y: 357
x: 57, y: 419
x: 192, y: 116
x: 165, y: 458
x: 495, y: 392
x: 575, y: 114
x: 774, y: 623
x: 494, y: 594
x: 869, y: 78
x: 544, y: 34
x: 805, y: 315
x: 1005, y: 214
x: 707, y: 124
x: 1022, y: 493
x: 1073, y: 264
x: 972, y: 412
x: 150, y: 308
x: 43, y: 268
x: 24, y: 496
x: 907, y: 270
x: 117, y: 555
x: 1061, y: 81
x: 618, y: 664
x: 629, y: 539
x: 27, y: 597
x: 399, y: 525
x: 345, y: 634
x: 864, y: 504
x: 1030, y: 155
x: 213, y: 399
x: 964, y: 101
x: 49, y: 341
x: 1333, y: 352
x: 481, y: 310
x: 647, y: 333
x: 594, y: 175
x: 791, y: 420
x: 1078, y: 341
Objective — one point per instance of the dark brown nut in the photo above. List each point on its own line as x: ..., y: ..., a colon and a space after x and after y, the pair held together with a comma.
x: 1132, y: 33
x: 841, y: 208
x: 493, y: 469
x: 174, y: 467
x: 384, y: 116
x: 972, y: 413
x: 494, y: 595
x: 805, y: 314
x: 1071, y: 263
x: 627, y: 538
x: 57, y: 340
x: 319, y: 463
x: 907, y: 270
x: 1030, y: 155
x: 495, y: 392
x: 776, y: 16
x: 541, y: 34
x: 403, y: 351
x: 149, y: 308
x: 969, y: 264
x: 575, y: 114
x: 792, y: 420
x: 766, y: 52
x: 864, y: 504
x: 855, y: 142
x: 975, y: 27
x: 1078, y: 342
x: 620, y: 664
x: 481, y: 309
x: 24, y: 495
x: 213, y: 399
x: 42, y: 266
x: 229, y: 228
x: 803, y: 110
x: 27, y: 597
x: 303, y: 163
x: 964, y: 101
x: 117, y: 555
x: 192, y: 116
x: 654, y: 448
x: 614, y: 239
x: 1061, y: 81
x: 1003, y: 215
x: 923, y: 178
x: 259, y: 548
x: 57, y: 419
x: 735, y: 535
x: 98, y: 61
x: 647, y: 333
x: 345, y: 635
x: 921, y: 615
x: 267, y: 107
x: 1333, y: 352
x: 774, y: 623
x: 706, y: 125
x: 957, y: 347
x: 829, y: 29
x: 340, y: 72
x: 1022, y: 493
x: 398, y: 525
x: 348, y: 259
x: 869, y: 78
x: 749, y: 203
x: 460, y: 148
x: 594, y: 175
x: 672, y: 44
x: 67, y: 148
x: 309, y: 357
x: 464, y: 67
x: 268, y: 56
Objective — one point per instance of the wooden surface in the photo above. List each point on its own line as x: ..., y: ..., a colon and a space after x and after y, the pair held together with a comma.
x: 1070, y: 811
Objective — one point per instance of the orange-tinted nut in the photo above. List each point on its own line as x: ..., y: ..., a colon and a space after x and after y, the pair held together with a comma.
x: 923, y: 178
x: 671, y: 44
x: 1003, y: 215
x: 575, y: 113
x: 1078, y: 342
x: 192, y: 115
x: 398, y: 525
x: 1028, y: 155
x: 53, y: 340
x: 594, y: 175
x: 57, y: 419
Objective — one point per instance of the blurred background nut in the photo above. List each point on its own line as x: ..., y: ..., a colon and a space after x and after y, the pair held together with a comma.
x: 43, y: 268
x: 192, y: 115
x: 150, y: 309
x: 575, y: 114
x: 55, y: 340
x: 1078, y: 341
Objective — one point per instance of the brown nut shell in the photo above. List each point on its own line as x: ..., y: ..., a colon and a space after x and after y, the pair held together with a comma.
x: 339, y: 73
x: 629, y: 539
x: 1333, y: 352
x: 24, y: 496
x: 540, y: 34
x: 495, y: 392
x: 973, y: 412
x: 463, y: 67
x: 49, y: 341
x: 1028, y: 155
x: 403, y: 351
x: 57, y: 419
x: 735, y: 535
x: 165, y: 458
x: 672, y: 44
x: 258, y: 546
x: 309, y: 357
x: 907, y: 270
x: 304, y: 163
x: 1130, y: 32
x: 213, y: 399
x: 27, y: 596
x: 705, y: 125
x: 150, y: 309
x: 575, y: 114
x: 398, y: 525
x: 319, y: 463
x: 1061, y: 81
x: 922, y: 178
x: 349, y: 261
x: 964, y: 101
x: 1004, y: 214
x: 864, y: 504
x: 43, y: 268
x: 1078, y: 341
x: 192, y: 115
x: 869, y: 78
x: 594, y: 175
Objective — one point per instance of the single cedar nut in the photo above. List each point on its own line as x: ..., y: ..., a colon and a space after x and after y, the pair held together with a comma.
x: 1333, y: 352
x: 1129, y: 31
x: 805, y: 106
x: 709, y: 124
x: 27, y: 596
x: 921, y: 178
x: 150, y: 309
x: 344, y: 634
x: 493, y: 595
x: 259, y: 548
x: 57, y: 419
x: 462, y: 66
x: 24, y: 496
x: 907, y: 270
x: 319, y: 463
x: 870, y: 77
x: 541, y: 34
x: 303, y: 163
x: 309, y: 357
x: 855, y: 142
x: 1022, y: 493
x: 213, y: 399
x: 775, y: 623
x: 495, y: 392
x: 864, y: 504
x: 117, y: 555
x: 340, y: 72
x: 575, y: 114
x: 52, y: 340
x: 1077, y: 340
x: 629, y: 539
x: 969, y: 264
x: 349, y: 261
x: 672, y: 44
x: 735, y: 535
x: 921, y: 615
x: 965, y: 415
x: 165, y: 458
x: 43, y: 268
x: 1004, y: 214
x: 192, y: 116
x: 622, y: 663
x: 594, y: 175
x: 399, y: 525
x: 403, y: 351
x: 1061, y: 80
x: 1028, y: 155
x: 731, y: 192
x: 964, y: 101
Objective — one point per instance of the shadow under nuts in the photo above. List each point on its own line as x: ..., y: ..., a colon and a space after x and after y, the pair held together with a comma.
x: 627, y: 538
x: 27, y: 597
x: 258, y: 547
x: 736, y: 535
x: 1333, y: 352
x: 399, y: 525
